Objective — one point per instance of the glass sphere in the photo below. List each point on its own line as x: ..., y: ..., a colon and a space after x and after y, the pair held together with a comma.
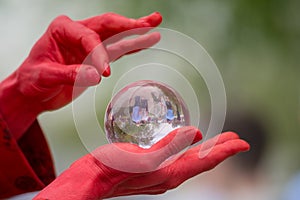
x: 144, y: 112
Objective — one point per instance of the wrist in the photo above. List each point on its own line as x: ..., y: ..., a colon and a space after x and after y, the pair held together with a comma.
x: 85, y: 179
x: 18, y: 111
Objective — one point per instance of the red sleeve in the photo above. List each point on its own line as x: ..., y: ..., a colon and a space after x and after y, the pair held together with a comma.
x: 25, y: 165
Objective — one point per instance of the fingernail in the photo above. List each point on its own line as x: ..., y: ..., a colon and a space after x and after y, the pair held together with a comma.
x: 106, y: 72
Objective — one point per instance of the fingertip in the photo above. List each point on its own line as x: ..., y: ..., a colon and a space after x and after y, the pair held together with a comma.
x: 191, y: 132
x: 198, y: 136
x: 245, y: 145
x: 196, y: 133
x: 107, y: 70
x: 156, y: 18
x: 155, y: 36
x: 157, y: 13
x: 229, y: 135
x: 153, y: 19
x: 237, y: 145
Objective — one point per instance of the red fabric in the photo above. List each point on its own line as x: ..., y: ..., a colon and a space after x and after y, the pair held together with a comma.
x: 25, y: 165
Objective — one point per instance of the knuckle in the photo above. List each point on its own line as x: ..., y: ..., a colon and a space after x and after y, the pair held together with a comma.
x: 90, y: 35
x: 89, y: 41
x: 108, y: 18
x: 72, y: 74
x: 57, y: 25
x: 29, y: 81
x: 62, y: 17
x: 59, y: 20
x: 124, y: 46
x: 108, y: 15
x: 172, y: 148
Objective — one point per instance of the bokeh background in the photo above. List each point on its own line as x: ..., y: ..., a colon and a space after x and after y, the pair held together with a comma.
x: 255, y: 44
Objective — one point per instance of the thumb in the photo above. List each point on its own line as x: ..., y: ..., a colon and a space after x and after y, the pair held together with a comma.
x: 130, y: 158
x: 74, y: 75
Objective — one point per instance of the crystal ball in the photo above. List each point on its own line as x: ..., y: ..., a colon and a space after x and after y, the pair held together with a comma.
x: 144, y: 112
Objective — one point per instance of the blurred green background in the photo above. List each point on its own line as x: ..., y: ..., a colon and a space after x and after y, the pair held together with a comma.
x: 255, y: 44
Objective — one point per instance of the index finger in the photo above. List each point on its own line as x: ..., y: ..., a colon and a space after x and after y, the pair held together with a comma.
x: 110, y: 24
x: 73, y: 35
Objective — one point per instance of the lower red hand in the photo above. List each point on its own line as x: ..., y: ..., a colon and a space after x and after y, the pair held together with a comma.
x: 126, y: 169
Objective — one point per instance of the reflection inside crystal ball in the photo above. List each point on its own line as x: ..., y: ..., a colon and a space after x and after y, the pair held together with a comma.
x: 144, y: 112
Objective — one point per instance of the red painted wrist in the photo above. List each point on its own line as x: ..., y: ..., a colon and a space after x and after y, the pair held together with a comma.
x: 85, y: 179
x: 18, y: 112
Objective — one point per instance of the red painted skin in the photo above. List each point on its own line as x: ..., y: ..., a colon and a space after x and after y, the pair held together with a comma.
x: 45, y: 81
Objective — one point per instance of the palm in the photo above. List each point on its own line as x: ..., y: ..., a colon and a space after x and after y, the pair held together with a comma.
x: 152, y: 171
x: 121, y: 169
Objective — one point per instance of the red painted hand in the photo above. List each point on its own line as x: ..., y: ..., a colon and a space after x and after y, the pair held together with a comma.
x: 68, y: 52
x: 51, y: 69
x: 144, y: 171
